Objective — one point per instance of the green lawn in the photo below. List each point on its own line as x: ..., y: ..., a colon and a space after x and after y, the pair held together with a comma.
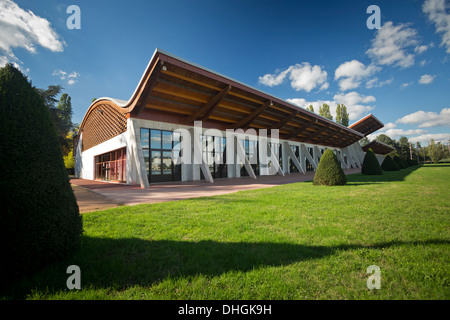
x: 295, y: 241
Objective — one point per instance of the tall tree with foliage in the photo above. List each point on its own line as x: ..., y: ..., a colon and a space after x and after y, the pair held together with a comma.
x: 61, y: 114
x: 310, y: 108
x: 324, y: 111
x: 344, y: 116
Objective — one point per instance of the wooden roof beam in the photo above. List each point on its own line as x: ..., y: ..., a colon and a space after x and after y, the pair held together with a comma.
x: 252, y: 116
x: 209, y: 107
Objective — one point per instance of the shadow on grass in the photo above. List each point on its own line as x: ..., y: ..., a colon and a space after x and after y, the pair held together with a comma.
x: 363, y: 179
x: 121, y: 263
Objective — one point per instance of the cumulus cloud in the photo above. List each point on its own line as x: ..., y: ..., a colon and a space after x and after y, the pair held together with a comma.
x: 428, y: 119
x: 426, y: 79
x: 437, y: 137
x: 351, y: 74
x: 70, y: 77
x: 436, y: 12
x: 24, y: 29
x: 356, y: 104
x: 391, y: 43
x: 302, y: 76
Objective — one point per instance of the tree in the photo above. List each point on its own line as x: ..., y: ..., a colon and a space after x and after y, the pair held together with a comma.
x: 310, y: 108
x: 364, y: 141
x: 338, y: 114
x: 433, y: 151
x: 345, y: 116
x: 324, y: 111
x: 39, y: 220
x: 342, y: 115
x: 403, y: 148
x: 329, y: 171
x: 371, y: 166
x: 60, y: 114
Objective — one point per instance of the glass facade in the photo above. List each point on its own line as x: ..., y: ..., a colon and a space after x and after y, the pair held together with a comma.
x: 111, y: 166
x: 214, y: 154
x: 157, y: 147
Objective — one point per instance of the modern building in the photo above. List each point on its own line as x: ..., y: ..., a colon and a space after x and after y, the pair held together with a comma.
x: 185, y: 122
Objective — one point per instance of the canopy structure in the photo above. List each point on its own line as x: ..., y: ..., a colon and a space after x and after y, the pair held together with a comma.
x: 177, y: 91
x: 378, y: 147
x: 367, y: 125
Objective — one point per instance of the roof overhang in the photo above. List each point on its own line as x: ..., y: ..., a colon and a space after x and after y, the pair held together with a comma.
x: 177, y: 91
x: 378, y: 147
x: 367, y: 125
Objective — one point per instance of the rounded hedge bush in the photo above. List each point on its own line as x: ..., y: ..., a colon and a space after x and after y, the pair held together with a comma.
x: 389, y: 164
x: 371, y: 166
x: 329, y: 171
x: 39, y: 220
x: 399, y: 162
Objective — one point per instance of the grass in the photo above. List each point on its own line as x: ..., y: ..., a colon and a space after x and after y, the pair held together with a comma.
x: 295, y: 241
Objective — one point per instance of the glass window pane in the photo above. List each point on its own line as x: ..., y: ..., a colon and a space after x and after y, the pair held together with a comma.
x: 167, y: 140
x: 156, y: 162
x: 144, y: 138
x: 146, y: 159
x: 155, y: 139
x: 167, y: 162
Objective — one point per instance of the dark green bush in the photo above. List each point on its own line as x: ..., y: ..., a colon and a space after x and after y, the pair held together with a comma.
x: 371, y: 166
x: 405, y: 163
x: 39, y: 220
x: 329, y: 171
x: 389, y: 164
x: 410, y: 162
x: 399, y: 162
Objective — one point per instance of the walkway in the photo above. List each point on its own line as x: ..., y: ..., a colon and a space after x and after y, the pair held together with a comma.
x: 98, y: 195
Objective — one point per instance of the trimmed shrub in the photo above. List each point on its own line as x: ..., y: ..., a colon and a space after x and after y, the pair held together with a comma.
x: 329, y: 171
x: 405, y: 163
x: 39, y: 220
x: 410, y: 162
x: 389, y: 164
x: 371, y: 165
x: 399, y: 162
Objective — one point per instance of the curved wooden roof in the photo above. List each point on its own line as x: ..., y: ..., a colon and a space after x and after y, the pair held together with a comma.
x: 177, y: 91
x: 378, y: 147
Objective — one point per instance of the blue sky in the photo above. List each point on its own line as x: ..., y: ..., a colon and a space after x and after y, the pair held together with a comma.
x: 306, y: 52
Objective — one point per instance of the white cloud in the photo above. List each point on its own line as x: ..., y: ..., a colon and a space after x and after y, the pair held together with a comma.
x: 406, y: 84
x: 426, y: 79
x: 306, y: 77
x: 356, y: 104
x: 397, y: 133
x: 24, y: 29
x: 70, y: 77
x: 375, y: 83
x: 436, y: 11
x: 274, y: 79
x: 389, y: 125
x: 303, y: 76
x: 389, y: 47
x: 420, y: 49
x: 351, y: 73
x: 427, y: 119
x: 437, y: 137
